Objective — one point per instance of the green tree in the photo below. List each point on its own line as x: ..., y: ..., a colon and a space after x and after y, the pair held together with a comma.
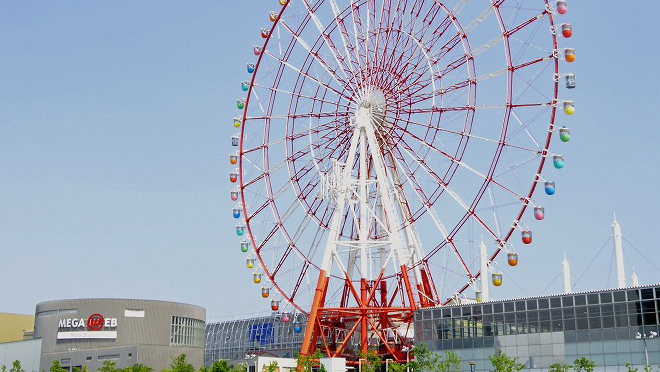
x: 220, y: 366
x: 451, y: 363
x: 583, y: 365
x: 397, y: 367
x: 630, y: 368
x: 371, y: 361
x: 241, y: 367
x: 272, y: 367
x: 108, y: 366
x: 424, y: 359
x: 179, y: 364
x: 559, y: 367
x: 56, y: 367
x: 4, y: 368
x: 84, y: 368
x: 138, y: 367
x: 504, y: 363
x: 304, y: 363
x: 16, y: 367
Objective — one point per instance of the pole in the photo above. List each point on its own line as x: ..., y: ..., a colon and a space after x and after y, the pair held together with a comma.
x: 646, y: 351
x: 485, y: 295
x: 408, y: 360
x: 618, y: 254
x: 566, y: 269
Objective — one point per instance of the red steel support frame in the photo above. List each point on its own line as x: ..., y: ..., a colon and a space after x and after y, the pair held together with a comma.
x: 335, y: 326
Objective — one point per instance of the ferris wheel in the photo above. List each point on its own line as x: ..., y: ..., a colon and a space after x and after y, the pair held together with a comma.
x: 383, y: 143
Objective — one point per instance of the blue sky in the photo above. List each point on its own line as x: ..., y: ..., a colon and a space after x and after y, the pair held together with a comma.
x: 114, y: 133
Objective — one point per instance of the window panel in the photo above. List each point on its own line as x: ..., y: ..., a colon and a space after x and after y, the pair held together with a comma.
x: 555, y: 302
x: 621, y: 320
x: 619, y: 296
x: 647, y: 293
x: 582, y: 324
x: 544, y: 315
x: 606, y: 297
x: 608, y: 322
x: 533, y: 316
x: 650, y: 319
x: 648, y: 306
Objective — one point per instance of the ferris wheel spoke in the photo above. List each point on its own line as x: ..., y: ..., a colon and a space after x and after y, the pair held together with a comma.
x: 524, y: 24
x: 300, y: 115
x: 308, y: 76
x: 460, y: 134
x: 303, y: 273
x: 459, y: 162
x: 269, y: 236
x: 343, y: 82
x: 443, y: 231
x: 512, y: 168
x: 322, y: 143
x: 445, y: 186
x: 339, y: 59
x: 345, y: 38
x: 298, y: 95
x: 529, y: 84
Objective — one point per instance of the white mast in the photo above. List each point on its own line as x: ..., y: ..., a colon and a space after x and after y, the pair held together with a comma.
x: 485, y: 296
x: 566, y: 268
x: 635, y: 279
x: 618, y: 253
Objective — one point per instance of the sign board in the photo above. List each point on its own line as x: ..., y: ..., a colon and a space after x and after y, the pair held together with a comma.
x: 94, y: 327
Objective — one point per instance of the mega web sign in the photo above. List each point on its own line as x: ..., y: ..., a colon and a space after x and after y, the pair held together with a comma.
x: 94, y: 327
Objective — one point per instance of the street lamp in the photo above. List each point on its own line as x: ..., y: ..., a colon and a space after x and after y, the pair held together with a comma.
x: 643, y: 337
x: 407, y: 350
x: 473, y: 365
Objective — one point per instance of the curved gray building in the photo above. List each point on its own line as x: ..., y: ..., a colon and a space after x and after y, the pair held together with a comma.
x: 91, y: 331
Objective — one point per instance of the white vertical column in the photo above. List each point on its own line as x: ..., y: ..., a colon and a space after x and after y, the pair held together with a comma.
x: 485, y: 296
x: 634, y: 278
x: 618, y: 254
x: 566, y: 269
x: 364, y: 205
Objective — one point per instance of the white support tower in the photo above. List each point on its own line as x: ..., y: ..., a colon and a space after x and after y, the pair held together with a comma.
x: 618, y: 254
x: 485, y: 296
x: 566, y: 269
x: 634, y: 278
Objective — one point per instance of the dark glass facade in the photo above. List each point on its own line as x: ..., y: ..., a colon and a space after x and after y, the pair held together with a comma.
x: 599, y: 325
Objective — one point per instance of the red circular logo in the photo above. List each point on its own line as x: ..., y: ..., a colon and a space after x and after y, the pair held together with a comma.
x: 95, y: 322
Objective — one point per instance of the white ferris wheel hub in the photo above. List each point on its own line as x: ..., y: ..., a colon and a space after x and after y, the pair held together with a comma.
x: 374, y: 104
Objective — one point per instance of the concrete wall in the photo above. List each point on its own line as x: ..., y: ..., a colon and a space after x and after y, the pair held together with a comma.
x: 27, y: 352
